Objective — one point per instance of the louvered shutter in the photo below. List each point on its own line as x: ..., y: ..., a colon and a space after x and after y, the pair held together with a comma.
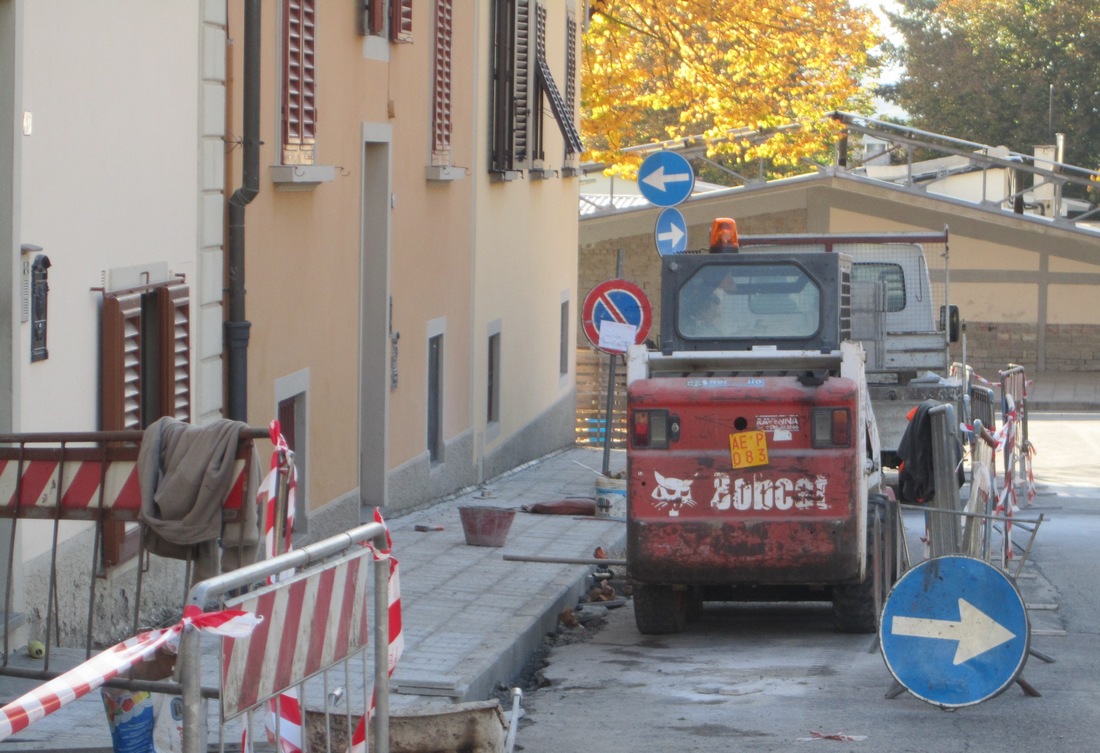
x: 571, y: 67
x: 173, y: 303
x: 401, y: 20
x: 441, y: 100
x: 562, y: 114
x: 521, y: 78
x: 299, y: 83
x: 120, y: 363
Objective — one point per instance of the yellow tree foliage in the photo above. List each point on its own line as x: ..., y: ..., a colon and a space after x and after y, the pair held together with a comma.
x: 667, y: 69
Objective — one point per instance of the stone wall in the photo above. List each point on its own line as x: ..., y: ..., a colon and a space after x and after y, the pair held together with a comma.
x: 992, y: 346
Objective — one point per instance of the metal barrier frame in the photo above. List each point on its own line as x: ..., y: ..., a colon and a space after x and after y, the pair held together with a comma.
x: 945, y: 536
x: 102, y: 451
x: 214, y: 590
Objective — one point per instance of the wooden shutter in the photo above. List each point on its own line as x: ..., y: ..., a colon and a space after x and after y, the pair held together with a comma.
x: 561, y: 111
x: 376, y: 16
x: 174, y: 306
x: 521, y: 79
x: 299, y: 83
x: 401, y: 20
x: 571, y: 66
x: 441, y: 99
x: 120, y: 363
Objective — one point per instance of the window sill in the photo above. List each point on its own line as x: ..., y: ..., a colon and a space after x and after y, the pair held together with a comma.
x: 541, y: 173
x: 444, y: 172
x: 301, y: 177
x: 504, y: 176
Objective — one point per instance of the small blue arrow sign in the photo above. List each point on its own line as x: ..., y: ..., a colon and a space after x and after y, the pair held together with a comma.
x: 954, y: 631
x: 665, y: 178
x: 671, y: 232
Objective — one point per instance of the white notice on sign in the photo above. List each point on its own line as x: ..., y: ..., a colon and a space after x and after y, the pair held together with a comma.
x: 617, y: 336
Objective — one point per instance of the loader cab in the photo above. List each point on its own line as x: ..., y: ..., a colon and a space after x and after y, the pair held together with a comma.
x: 731, y: 301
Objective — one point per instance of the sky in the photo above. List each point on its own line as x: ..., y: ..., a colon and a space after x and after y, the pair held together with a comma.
x: 890, y: 74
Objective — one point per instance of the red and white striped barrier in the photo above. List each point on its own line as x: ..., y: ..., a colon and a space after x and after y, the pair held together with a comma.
x: 82, y: 483
x: 30, y: 488
x: 84, y: 678
x: 310, y: 622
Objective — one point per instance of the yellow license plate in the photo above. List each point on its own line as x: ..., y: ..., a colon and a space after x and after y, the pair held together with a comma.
x: 748, y: 448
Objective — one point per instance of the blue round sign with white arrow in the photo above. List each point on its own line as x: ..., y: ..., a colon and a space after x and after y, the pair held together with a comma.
x: 666, y: 178
x: 954, y: 631
x: 671, y: 232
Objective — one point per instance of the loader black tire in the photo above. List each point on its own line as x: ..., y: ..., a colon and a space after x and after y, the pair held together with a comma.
x: 856, y: 606
x: 659, y: 610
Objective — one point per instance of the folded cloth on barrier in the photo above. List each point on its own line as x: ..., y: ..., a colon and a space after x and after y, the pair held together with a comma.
x: 186, y: 473
x: 917, y: 476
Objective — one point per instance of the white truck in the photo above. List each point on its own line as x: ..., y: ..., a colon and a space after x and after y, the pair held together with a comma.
x: 904, y: 329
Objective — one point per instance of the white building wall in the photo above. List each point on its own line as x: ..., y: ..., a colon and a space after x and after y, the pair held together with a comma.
x: 109, y: 175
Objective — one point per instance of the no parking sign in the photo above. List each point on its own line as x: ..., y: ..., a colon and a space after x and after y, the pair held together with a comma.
x: 616, y: 314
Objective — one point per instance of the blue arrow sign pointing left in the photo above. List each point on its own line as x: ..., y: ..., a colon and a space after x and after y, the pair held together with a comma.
x: 671, y: 232
x: 666, y: 178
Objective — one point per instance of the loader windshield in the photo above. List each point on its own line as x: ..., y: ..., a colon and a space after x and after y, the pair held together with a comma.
x: 765, y: 301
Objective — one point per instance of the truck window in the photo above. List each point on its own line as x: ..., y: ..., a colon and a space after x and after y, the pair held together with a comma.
x: 748, y: 301
x: 891, y: 274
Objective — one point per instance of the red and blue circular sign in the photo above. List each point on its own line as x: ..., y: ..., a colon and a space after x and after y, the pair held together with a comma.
x: 620, y: 303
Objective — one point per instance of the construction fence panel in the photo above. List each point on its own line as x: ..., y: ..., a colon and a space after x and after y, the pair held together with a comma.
x: 304, y: 668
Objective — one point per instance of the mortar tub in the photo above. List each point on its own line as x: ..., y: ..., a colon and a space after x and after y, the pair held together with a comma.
x: 486, y: 526
x: 471, y: 727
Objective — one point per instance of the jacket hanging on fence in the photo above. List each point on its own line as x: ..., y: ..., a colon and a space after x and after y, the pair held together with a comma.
x: 186, y: 472
x: 916, y: 475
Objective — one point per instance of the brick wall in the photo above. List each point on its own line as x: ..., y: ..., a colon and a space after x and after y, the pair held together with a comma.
x: 642, y: 264
x: 991, y: 346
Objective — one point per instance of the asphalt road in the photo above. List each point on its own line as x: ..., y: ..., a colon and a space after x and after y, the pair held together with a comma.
x: 775, y: 677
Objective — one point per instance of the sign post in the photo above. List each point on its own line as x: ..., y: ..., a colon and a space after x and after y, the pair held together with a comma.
x: 616, y: 314
x: 954, y: 631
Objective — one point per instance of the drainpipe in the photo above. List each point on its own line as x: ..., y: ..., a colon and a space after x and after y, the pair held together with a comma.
x: 236, y: 326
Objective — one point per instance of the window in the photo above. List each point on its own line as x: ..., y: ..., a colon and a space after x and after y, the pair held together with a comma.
x: 891, y: 275
x: 441, y: 84
x: 517, y: 136
x: 563, y: 355
x: 145, y: 357
x: 563, y: 113
x: 401, y: 13
x: 492, y: 414
x: 373, y: 15
x: 571, y: 86
x: 145, y: 373
x: 299, y: 115
x: 511, y: 81
x: 435, y: 398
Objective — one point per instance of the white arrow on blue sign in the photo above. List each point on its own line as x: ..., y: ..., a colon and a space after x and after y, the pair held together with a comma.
x: 671, y: 232
x: 954, y: 631
x: 665, y: 178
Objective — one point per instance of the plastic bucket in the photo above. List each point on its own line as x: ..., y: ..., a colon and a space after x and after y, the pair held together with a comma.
x: 611, y: 498
x: 486, y: 526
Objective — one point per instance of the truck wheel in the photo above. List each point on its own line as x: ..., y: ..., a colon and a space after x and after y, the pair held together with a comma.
x: 659, y: 610
x: 856, y: 606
